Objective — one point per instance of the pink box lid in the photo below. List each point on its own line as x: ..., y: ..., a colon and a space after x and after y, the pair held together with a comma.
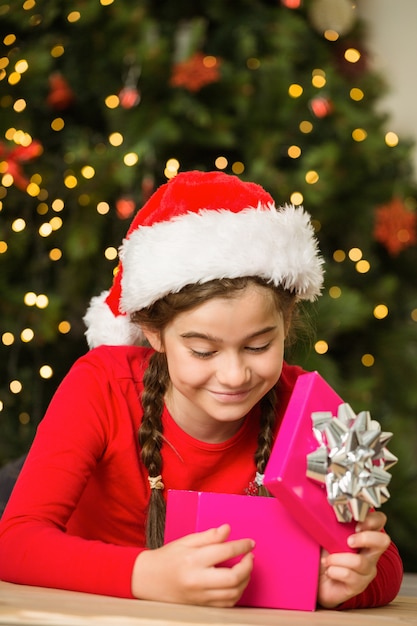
x: 285, y: 474
x: 286, y: 563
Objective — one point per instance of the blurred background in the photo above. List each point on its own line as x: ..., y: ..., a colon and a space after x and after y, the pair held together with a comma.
x: 101, y: 101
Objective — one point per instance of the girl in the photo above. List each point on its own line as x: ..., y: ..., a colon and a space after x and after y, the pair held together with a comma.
x: 210, y: 275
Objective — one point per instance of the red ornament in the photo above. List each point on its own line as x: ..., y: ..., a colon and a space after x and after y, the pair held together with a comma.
x: 395, y: 226
x: 60, y: 95
x: 15, y: 157
x: 196, y: 72
x: 321, y: 106
x: 148, y: 187
x: 125, y: 207
x: 129, y: 97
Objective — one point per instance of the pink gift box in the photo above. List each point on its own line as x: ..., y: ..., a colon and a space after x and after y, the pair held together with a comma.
x: 286, y: 558
x: 285, y: 474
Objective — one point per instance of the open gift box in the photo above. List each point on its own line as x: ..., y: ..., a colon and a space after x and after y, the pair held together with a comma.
x: 286, y: 557
x: 285, y: 474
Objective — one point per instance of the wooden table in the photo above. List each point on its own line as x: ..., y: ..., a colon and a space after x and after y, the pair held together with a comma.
x: 33, y: 606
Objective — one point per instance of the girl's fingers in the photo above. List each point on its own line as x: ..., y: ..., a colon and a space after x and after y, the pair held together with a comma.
x: 225, y: 577
x: 375, y: 520
x: 345, y: 574
x: 370, y: 540
x: 214, y: 549
x: 225, y: 585
x: 363, y: 562
x: 206, y: 537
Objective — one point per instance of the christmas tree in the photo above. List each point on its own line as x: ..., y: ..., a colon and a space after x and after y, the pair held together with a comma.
x: 101, y: 101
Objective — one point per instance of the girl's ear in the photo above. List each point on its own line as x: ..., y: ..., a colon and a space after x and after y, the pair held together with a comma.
x: 154, y: 338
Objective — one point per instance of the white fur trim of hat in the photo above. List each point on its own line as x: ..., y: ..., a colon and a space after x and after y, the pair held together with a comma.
x: 196, y: 228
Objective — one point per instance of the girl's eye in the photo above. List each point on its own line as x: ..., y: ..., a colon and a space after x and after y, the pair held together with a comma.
x: 258, y: 349
x: 202, y: 355
x: 206, y: 354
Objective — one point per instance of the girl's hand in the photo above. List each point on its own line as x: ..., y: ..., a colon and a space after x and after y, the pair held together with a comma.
x: 345, y: 575
x: 187, y: 570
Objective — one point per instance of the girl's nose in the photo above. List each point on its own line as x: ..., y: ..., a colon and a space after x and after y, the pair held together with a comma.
x: 233, y: 371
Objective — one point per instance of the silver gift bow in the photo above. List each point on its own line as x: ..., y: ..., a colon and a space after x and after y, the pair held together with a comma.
x: 352, y: 461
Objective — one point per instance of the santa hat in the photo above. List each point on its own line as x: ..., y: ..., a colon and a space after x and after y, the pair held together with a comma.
x: 198, y: 227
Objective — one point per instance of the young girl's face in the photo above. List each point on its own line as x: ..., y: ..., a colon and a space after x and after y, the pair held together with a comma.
x: 223, y: 356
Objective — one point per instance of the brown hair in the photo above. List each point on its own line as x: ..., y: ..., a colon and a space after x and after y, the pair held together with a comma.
x: 156, y: 381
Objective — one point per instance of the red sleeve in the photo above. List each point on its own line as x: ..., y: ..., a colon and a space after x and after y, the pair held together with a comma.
x: 385, y: 586
x: 34, y: 547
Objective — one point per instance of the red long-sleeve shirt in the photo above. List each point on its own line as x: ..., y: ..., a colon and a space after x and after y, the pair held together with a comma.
x: 77, y: 514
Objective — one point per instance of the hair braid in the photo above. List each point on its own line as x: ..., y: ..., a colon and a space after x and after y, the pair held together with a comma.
x: 265, y: 436
x: 150, y: 439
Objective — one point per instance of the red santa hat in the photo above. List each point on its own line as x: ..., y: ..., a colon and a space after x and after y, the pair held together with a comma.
x: 197, y: 227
